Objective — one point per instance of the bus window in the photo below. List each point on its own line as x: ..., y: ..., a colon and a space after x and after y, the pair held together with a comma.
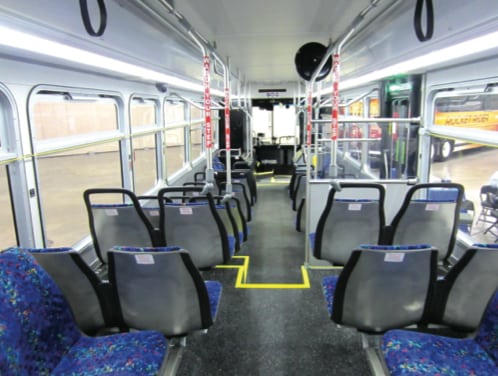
x: 143, y: 119
x: 196, y: 121
x: 175, y: 149
x: 68, y: 162
x: 11, y: 192
x: 196, y: 141
x: 53, y: 118
x: 144, y: 162
x: 466, y: 111
x: 470, y: 116
x: 7, y: 229
x: 174, y: 136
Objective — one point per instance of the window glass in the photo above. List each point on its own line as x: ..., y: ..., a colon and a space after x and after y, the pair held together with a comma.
x: 143, y: 113
x: 174, y: 112
x: 196, y: 113
x: 7, y: 227
x: 63, y: 177
x: 468, y: 111
x: 460, y: 160
x: 7, y: 152
x: 175, y: 149
x: 66, y: 170
x: 144, y: 162
x: 56, y: 118
x: 473, y: 168
x: 196, y: 141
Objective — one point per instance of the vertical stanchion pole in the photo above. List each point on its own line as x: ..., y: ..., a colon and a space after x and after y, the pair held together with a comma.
x: 207, y: 120
x: 309, y: 112
x: 334, y: 131
x: 307, y: 149
x: 228, y: 149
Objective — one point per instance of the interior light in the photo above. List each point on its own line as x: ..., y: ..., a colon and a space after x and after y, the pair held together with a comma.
x: 27, y: 42
x: 459, y: 50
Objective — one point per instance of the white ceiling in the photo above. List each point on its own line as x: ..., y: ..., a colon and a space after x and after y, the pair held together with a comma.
x: 261, y: 37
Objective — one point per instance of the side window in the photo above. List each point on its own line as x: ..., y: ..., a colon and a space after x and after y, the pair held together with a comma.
x: 145, y: 132
x: 464, y: 124
x: 196, y: 140
x: 7, y: 227
x: 77, y: 146
x: 174, y: 136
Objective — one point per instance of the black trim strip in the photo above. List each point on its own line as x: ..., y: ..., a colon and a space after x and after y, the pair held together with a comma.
x: 202, y: 293
x: 342, y: 283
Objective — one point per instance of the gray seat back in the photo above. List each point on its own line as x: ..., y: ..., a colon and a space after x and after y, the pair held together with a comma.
x: 345, y: 224
x: 87, y: 296
x: 429, y: 214
x: 458, y: 305
x: 226, y: 216
x: 299, y: 191
x: 385, y: 287
x: 196, y: 226
x: 117, y: 223
x: 159, y: 289
x: 238, y: 216
x: 239, y: 192
x: 150, y: 208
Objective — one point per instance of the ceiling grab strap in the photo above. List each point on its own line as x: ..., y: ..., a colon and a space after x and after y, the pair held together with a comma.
x: 85, y: 15
x: 417, y: 20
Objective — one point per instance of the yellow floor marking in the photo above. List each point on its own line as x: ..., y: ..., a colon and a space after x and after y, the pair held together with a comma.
x: 272, y: 183
x: 240, y: 281
x: 324, y: 267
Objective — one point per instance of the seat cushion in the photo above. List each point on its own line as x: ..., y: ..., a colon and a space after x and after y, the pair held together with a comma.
x: 415, y: 353
x: 138, y: 353
x: 36, y: 324
x: 328, y: 285
x: 214, y: 289
x: 231, y: 245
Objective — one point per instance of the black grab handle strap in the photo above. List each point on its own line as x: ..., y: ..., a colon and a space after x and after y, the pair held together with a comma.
x: 417, y: 20
x: 86, y: 18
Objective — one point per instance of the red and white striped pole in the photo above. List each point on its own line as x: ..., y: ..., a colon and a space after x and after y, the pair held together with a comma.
x: 228, y: 147
x: 334, y: 128
x: 207, y: 104
x: 334, y: 134
x: 309, y: 110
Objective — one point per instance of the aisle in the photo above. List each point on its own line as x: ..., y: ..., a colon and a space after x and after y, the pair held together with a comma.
x: 273, y: 331
x: 275, y: 248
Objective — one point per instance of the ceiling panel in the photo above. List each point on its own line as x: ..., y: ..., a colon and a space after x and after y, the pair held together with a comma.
x: 261, y: 37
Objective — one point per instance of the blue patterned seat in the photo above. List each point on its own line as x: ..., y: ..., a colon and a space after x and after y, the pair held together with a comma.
x: 414, y: 353
x: 38, y: 334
